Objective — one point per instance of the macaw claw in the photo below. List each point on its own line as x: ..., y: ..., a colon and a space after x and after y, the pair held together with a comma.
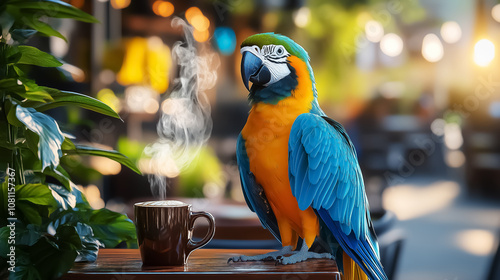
x: 271, y: 256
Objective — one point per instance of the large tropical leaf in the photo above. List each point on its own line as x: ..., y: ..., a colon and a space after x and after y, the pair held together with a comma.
x: 60, y: 175
x: 43, y: 28
x: 12, y: 85
x: 65, y: 199
x: 50, y: 136
x: 63, y: 98
x: 94, y: 151
x: 90, y: 244
x: 4, y: 241
x: 22, y: 35
x: 34, y: 56
x: 111, y: 228
x: 51, y: 256
x: 54, y: 8
x: 34, y: 92
x: 35, y: 193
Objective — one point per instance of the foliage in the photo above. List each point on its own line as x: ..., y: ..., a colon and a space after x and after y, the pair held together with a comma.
x: 55, y: 224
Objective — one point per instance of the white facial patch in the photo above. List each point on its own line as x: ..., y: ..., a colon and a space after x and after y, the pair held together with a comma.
x: 274, y: 57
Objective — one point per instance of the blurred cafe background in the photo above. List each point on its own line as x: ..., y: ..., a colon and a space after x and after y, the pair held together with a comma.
x: 416, y: 83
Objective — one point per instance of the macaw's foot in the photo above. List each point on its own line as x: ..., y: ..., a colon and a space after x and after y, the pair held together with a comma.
x: 271, y: 256
x: 302, y: 255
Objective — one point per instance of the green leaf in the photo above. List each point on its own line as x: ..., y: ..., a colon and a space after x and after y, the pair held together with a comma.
x: 44, y: 28
x: 34, y: 56
x: 93, y: 151
x: 53, y: 256
x: 32, y: 141
x: 51, y: 138
x: 29, y: 235
x: 12, y: 85
x: 23, y: 272
x: 90, y: 244
x: 59, y: 176
x: 58, y: 9
x: 69, y: 237
x: 38, y: 96
x: 22, y: 35
x: 4, y: 241
x: 63, y: 98
x: 111, y: 228
x: 67, y: 144
x: 65, y: 199
x: 10, y: 109
x: 34, y: 92
x: 30, y: 212
x: 35, y: 193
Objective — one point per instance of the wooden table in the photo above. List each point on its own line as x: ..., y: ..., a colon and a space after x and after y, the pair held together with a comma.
x: 125, y: 264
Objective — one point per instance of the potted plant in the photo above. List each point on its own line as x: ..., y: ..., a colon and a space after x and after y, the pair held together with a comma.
x: 46, y: 223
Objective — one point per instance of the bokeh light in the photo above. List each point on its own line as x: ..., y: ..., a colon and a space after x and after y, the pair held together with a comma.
x: 200, y: 22
x: 93, y: 196
x: 77, y: 74
x: 476, y: 241
x: 120, y: 4
x: 163, y: 8
x: 191, y: 12
x: 495, y: 12
x: 105, y: 166
x: 453, y: 136
x: 374, y: 31
x: 455, y: 159
x: 484, y: 52
x: 302, y: 16
x: 391, y: 45
x: 432, y: 48
x: 201, y: 36
x: 225, y: 40
x: 451, y: 32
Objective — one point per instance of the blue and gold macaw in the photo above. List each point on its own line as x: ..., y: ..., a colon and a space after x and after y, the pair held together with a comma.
x: 298, y: 168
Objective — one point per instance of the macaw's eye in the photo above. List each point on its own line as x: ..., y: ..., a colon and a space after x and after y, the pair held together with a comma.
x: 280, y: 51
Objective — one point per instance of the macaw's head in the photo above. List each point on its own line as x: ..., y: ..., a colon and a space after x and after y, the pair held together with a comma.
x: 275, y: 65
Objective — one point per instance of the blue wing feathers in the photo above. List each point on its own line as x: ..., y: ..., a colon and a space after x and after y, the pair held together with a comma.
x: 324, y: 173
x: 360, y: 251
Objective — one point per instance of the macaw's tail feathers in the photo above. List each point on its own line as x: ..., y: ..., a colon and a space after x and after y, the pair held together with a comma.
x: 352, y: 271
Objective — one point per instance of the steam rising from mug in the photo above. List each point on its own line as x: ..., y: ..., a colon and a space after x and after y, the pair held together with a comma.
x: 185, y: 124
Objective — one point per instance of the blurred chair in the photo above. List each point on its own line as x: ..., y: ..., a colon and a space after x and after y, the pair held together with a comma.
x: 494, y: 272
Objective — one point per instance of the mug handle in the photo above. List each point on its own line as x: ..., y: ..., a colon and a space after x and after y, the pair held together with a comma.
x: 193, y: 245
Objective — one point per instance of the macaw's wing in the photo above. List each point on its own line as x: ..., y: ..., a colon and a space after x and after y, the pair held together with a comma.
x: 253, y: 192
x: 324, y: 173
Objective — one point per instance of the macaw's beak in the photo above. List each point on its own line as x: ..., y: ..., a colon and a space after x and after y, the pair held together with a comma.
x: 253, y: 70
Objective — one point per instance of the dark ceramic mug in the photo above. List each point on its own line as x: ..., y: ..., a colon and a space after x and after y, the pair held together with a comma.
x: 164, y: 230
